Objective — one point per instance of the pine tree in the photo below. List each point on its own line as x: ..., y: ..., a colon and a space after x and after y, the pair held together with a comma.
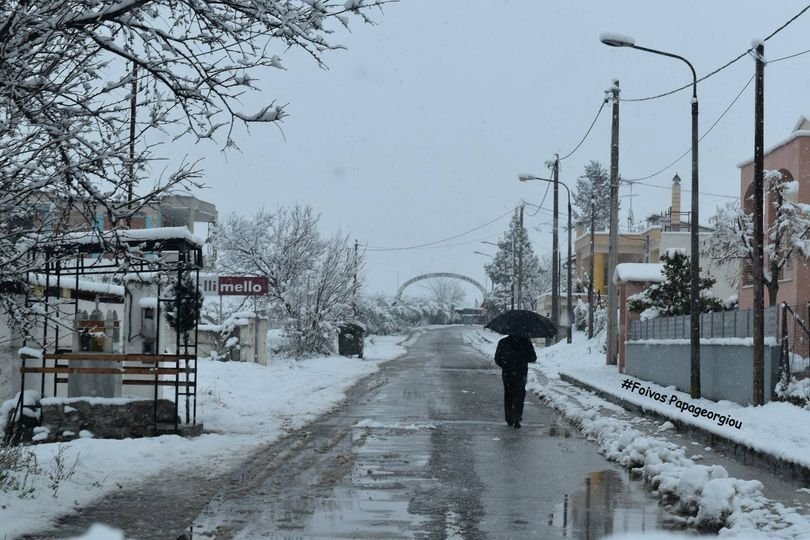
x: 596, y: 182
x: 504, y: 265
x: 672, y: 295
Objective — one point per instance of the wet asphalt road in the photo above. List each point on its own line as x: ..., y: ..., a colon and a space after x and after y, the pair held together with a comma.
x: 426, y: 454
x: 420, y: 450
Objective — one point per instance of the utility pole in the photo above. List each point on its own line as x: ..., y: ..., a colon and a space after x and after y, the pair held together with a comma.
x: 354, y: 283
x: 759, y: 259
x: 590, y: 271
x: 513, y: 271
x: 613, y: 249
x: 569, y: 286
x: 555, y: 248
x: 520, y: 264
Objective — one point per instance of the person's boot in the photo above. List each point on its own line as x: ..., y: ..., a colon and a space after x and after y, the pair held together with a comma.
x: 517, y: 425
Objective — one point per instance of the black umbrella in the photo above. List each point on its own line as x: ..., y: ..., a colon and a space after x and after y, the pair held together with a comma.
x: 524, y: 323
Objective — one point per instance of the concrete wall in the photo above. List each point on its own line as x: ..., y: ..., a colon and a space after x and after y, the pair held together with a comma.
x: 725, y: 370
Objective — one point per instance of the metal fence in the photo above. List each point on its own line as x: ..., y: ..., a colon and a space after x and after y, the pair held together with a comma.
x: 721, y: 324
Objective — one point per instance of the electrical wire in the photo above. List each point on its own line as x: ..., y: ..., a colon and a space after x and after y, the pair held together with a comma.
x: 689, y: 191
x: 595, y: 118
x: 788, y: 57
x: 724, y: 66
x: 465, y: 243
x: 428, y: 244
x: 730, y: 105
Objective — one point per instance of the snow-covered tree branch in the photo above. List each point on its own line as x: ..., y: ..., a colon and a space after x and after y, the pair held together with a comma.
x: 314, y: 282
x: 71, y: 72
x: 786, y: 232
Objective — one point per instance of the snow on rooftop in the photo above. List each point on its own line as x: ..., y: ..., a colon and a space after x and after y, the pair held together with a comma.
x: 802, y: 130
x: 134, y: 235
x: 84, y: 285
x: 649, y: 272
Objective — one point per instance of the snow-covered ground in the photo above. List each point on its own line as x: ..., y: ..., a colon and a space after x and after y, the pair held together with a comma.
x: 241, y: 405
x: 705, y: 492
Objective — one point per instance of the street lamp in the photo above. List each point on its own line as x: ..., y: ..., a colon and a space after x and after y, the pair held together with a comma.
x: 618, y: 40
x: 529, y: 177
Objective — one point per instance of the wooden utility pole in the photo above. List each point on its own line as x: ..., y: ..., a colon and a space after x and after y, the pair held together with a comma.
x: 555, y: 248
x: 354, y: 283
x: 759, y: 260
x: 520, y: 263
x: 613, y: 250
x: 591, y: 269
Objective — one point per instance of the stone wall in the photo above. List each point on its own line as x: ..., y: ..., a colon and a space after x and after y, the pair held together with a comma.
x: 64, y: 420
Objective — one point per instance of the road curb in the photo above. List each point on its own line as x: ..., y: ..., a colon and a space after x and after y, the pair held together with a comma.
x: 739, y: 451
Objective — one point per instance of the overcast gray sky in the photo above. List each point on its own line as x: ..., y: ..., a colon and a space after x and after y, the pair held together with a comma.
x: 418, y: 131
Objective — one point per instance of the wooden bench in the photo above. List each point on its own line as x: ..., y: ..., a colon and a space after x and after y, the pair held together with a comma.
x: 155, y: 370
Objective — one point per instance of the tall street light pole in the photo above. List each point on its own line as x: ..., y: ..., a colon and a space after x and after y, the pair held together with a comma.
x: 614, y: 40
x: 556, y: 182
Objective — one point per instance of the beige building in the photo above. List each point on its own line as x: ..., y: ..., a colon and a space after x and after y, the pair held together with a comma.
x: 670, y: 229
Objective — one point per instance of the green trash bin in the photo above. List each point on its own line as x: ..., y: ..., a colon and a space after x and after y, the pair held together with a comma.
x: 350, y: 339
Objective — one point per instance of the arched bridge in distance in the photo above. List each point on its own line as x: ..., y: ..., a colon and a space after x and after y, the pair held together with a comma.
x: 439, y: 275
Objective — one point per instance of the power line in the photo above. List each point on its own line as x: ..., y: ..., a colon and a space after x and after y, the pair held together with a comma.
x: 728, y: 108
x: 465, y: 243
x: 724, y: 66
x: 689, y: 191
x: 788, y: 57
x: 595, y: 118
x: 418, y: 246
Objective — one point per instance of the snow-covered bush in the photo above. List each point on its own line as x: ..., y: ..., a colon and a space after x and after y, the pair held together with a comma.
x: 381, y: 317
x: 581, y: 316
x: 793, y: 391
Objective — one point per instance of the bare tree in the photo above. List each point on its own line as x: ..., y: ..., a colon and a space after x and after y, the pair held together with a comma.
x: 70, y: 71
x: 314, y: 283
x: 446, y: 291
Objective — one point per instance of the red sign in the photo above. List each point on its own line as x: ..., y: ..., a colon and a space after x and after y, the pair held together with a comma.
x: 243, y: 285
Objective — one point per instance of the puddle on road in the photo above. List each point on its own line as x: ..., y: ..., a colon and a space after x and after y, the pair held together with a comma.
x: 609, y: 502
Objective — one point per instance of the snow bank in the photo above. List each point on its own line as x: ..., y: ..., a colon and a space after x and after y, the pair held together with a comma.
x: 705, y: 493
x: 242, y: 406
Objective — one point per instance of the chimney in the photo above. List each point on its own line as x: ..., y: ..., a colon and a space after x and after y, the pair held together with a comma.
x: 675, y: 211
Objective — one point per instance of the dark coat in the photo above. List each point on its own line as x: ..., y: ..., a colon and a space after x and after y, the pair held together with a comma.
x: 514, y: 354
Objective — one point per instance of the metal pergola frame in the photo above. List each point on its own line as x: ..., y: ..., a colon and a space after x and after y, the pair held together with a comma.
x: 108, y: 253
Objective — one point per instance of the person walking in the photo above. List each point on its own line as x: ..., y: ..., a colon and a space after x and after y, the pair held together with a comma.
x: 513, y: 356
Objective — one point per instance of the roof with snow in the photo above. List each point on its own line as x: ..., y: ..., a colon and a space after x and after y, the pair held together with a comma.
x: 83, y: 285
x: 801, y: 129
x: 165, y: 238
x: 638, y: 272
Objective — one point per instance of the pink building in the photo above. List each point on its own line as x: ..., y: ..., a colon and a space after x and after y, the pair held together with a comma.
x: 792, y: 158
